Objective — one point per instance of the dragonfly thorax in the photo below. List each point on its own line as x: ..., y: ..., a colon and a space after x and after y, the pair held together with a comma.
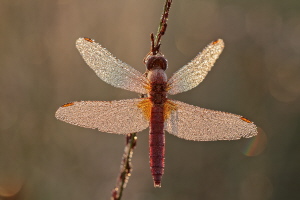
x: 158, y: 85
x: 156, y: 62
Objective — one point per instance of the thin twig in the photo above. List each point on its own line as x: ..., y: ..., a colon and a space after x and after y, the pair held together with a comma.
x: 162, y: 28
x: 126, y: 167
x: 156, y: 41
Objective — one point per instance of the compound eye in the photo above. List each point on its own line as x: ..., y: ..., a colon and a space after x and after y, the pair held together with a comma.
x: 164, y: 63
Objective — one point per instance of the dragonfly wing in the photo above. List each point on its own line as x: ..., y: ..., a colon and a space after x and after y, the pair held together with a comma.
x: 200, y: 124
x: 190, y: 75
x: 121, y: 117
x: 110, y: 69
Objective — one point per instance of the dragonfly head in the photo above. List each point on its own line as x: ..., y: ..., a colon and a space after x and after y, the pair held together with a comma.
x: 156, y: 62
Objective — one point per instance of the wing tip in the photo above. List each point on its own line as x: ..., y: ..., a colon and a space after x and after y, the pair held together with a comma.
x: 84, y: 39
x: 88, y: 39
x: 218, y: 41
x: 58, y: 114
x: 67, y: 104
x: 254, y: 129
x: 246, y: 120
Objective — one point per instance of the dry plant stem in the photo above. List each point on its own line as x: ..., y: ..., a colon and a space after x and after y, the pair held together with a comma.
x: 162, y: 28
x: 131, y: 138
x: 126, y: 167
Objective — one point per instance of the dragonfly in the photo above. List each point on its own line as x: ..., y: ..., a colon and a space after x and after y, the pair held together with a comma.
x: 154, y: 110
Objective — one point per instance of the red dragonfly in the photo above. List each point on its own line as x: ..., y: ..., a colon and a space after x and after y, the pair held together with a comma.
x: 156, y: 110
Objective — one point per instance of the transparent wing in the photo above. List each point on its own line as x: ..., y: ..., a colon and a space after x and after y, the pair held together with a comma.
x: 110, y: 69
x: 121, y: 117
x: 190, y: 75
x: 200, y: 124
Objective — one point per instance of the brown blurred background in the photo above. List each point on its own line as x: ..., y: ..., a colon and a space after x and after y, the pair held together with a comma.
x: 256, y: 76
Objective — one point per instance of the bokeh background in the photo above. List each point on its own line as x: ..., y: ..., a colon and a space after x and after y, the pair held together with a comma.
x: 257, y: 76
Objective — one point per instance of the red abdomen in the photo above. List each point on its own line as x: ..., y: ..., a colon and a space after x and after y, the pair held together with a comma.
x: 157, y: 144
